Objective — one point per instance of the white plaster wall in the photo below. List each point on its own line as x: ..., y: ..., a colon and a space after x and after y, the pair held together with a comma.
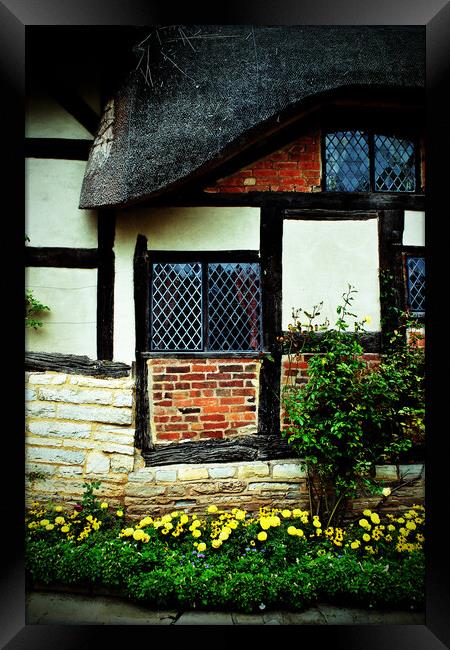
x: 197, y: 228
x: 414, y: 229
x: 45, y: 118
x: 52, y: 216
x: 320, y: 259
x: 70, y: 326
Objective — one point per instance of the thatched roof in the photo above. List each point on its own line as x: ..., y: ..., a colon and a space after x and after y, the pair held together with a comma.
x: 197, y: 91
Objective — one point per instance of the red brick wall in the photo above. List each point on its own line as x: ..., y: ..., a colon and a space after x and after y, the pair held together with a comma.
x: 194, y: 399
x: 294, y: 371
x: 294, y: 168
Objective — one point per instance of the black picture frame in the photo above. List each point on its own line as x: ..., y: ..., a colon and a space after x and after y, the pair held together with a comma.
x: 15, y: 17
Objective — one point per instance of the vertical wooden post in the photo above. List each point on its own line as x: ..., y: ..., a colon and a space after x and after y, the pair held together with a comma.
x: 271, y: 240
x: 105, y: 285
x: 141, y: 306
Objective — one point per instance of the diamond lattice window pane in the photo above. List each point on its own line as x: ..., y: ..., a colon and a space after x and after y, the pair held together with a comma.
x: 176, y: 307
x: 416, y: 285
x: 347, y: 161
x: 394, y: 164
x: 234, y: 309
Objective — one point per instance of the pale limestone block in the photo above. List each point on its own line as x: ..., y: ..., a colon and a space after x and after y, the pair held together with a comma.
x: 110, y: 428
x: 142, y: 475
x: 227, y: 471
x: 166, y: 476
x: 410, y: 471
x: 43, y: 442
x: 60, y: 429
x: 288, y: 470
x: 43, y: 378
x: 121, y: 463
x: 112, y: 447
x: 386, y: 472
x: 30, y: 394
x: 50, y: 455
x: 123, y: 398
x: 76, y: 397
x: 69, y: 470
x: 39, y: 410
x: 192, y: 473
x: 141, y: 490
x: 95, y: 382
x: 269, y: 486
x: 97, y: 463
x: 94, y: 413
x: 112, y: 437
x: 252, y: 469
x: 79, y: 444
x: 41, y: 468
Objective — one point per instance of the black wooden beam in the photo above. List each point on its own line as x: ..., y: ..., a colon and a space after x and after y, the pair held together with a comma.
x: 248, y: 448
x: 342, y: 201
x: 105, y: 285
x: 57, y: 148
x: 141, y: 302
x: 70, y: 258
x: 330, y: 215
x: 271, y: 236
x: 74, y: 364
x: 74, y: 104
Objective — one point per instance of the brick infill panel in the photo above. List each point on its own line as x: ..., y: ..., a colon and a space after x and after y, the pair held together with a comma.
x: 196, y: 399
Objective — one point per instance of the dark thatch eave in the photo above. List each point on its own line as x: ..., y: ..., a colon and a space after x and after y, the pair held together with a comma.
x: 199, y: 95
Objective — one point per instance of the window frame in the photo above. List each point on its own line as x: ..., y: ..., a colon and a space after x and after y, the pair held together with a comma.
x: 204, y: 258
x: 371, y: 133
x: 412, y: 251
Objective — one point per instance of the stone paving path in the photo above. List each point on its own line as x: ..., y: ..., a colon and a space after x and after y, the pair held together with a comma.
x: 50, y: 608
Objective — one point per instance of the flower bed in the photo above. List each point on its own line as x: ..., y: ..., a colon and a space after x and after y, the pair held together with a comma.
x: 230, y: 559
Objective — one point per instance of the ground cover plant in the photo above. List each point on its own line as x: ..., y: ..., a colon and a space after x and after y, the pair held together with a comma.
x: 229, y: 559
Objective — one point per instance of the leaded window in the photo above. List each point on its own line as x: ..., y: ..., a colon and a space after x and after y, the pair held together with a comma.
x: 360, y: 161
x: 415, y: 270
x: 205, y: 306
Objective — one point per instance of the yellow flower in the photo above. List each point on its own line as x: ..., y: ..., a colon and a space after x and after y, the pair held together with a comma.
x: 166, y: 518
x: 212, y: 509
x: 368, y: 319
x: 184, y: 519
x: 355, y: 544
x: 391, y: 527
x: 223, y: 535
x: 420, y: 538
x: 275, y: 521
x: 64, y: 529
x: 264, y: 522
x: 201, y: 547
x: 44, y: 522
x: 317, y: 523
x: 196, y: 532
x: 119, y: 513
x: 252, y: 542
x: 386, y: 491
x: 297, y: 512
x: 103, y: 505
x: 410, y: 525
x: 321, y: 551
x: 240, y: 515
x: 375, y: 518
x: 127, y: 532
x: 49, y: 527
x: 292, y: 530
x: 58, y: 508
x: 262, y: 535
x: 59, y: 520
x: 286, y: 513
x: 138, y: 534
x: 364, y: 524
x: 216, y: 543
x: 366, y: 537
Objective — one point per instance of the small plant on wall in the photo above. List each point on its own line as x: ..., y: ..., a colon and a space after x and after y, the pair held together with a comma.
x: 349, y: 416
x: 33, y: 307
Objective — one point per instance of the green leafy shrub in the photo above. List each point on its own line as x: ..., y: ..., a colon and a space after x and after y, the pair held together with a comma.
x: 349, y: 416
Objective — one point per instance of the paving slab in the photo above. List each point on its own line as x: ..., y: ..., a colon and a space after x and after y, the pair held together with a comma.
x: 47, y: 608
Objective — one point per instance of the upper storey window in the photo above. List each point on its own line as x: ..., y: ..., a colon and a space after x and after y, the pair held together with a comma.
x: 359, y: 161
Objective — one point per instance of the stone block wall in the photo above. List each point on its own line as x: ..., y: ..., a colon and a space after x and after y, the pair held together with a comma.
x: 203, y: 398
x: 78, y: 428
x: 249, y: 485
